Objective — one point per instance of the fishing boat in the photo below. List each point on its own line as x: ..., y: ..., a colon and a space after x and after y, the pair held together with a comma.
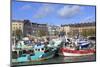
x: 71, y: 52
x: 55, y: 43
x: 23, y: 58
x: 24, y: 45
x: 41, y: 52
x: 77, y: 48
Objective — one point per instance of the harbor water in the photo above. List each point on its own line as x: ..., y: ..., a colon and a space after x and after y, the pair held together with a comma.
x: 60, y: 59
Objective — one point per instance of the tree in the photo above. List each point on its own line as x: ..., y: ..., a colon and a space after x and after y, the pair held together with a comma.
x: 18, y: 34
x: 70, y: 33
x: 56, y: 33
x: 41, y: 33
x: 88, y: 32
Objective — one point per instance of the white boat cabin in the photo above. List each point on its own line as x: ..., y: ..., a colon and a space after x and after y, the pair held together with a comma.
x: 39, y: 48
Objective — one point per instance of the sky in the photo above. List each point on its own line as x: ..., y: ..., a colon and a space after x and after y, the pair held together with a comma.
x: 52, y: 13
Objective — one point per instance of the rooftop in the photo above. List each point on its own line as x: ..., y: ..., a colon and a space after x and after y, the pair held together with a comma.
x: 80, y: 24
x: 27, y: 21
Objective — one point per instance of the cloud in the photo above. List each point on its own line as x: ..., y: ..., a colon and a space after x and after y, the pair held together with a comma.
x: 43, y: 11
x: 27, y: 6
x: 69, y: 11
x: 89, y: 19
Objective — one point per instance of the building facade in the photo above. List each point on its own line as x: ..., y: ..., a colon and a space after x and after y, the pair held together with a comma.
x: 39, y: 29
x: 79, y: 28
x: 17, y: 25
x: 53, y: 30
x: 28, y: 27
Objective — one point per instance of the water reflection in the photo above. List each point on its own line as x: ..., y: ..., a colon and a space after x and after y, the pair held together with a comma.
x: 60, y: 59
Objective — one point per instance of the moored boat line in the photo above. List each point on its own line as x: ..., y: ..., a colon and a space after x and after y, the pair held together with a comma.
x: 46, y: 49
x: 69, y: 52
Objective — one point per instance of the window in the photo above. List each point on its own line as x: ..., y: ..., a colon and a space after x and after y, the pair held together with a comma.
x: 19, y: 27
x: 23, y: 56
x: 42, y: 48
x: 13, y: 27
x: 35, y: 49
x: 32, y: 54
x: 38, y: 49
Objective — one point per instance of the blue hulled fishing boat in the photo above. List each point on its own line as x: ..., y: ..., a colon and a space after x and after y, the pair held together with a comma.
x: 41, y: 52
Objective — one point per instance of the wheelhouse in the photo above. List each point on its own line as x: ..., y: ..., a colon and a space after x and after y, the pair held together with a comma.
x: 39, y: 48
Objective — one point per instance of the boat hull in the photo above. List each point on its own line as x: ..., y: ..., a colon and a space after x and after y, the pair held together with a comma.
x: 41, y: 59
x: 35, y: 58
x: 69, y: 52
x: 43, y: 56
